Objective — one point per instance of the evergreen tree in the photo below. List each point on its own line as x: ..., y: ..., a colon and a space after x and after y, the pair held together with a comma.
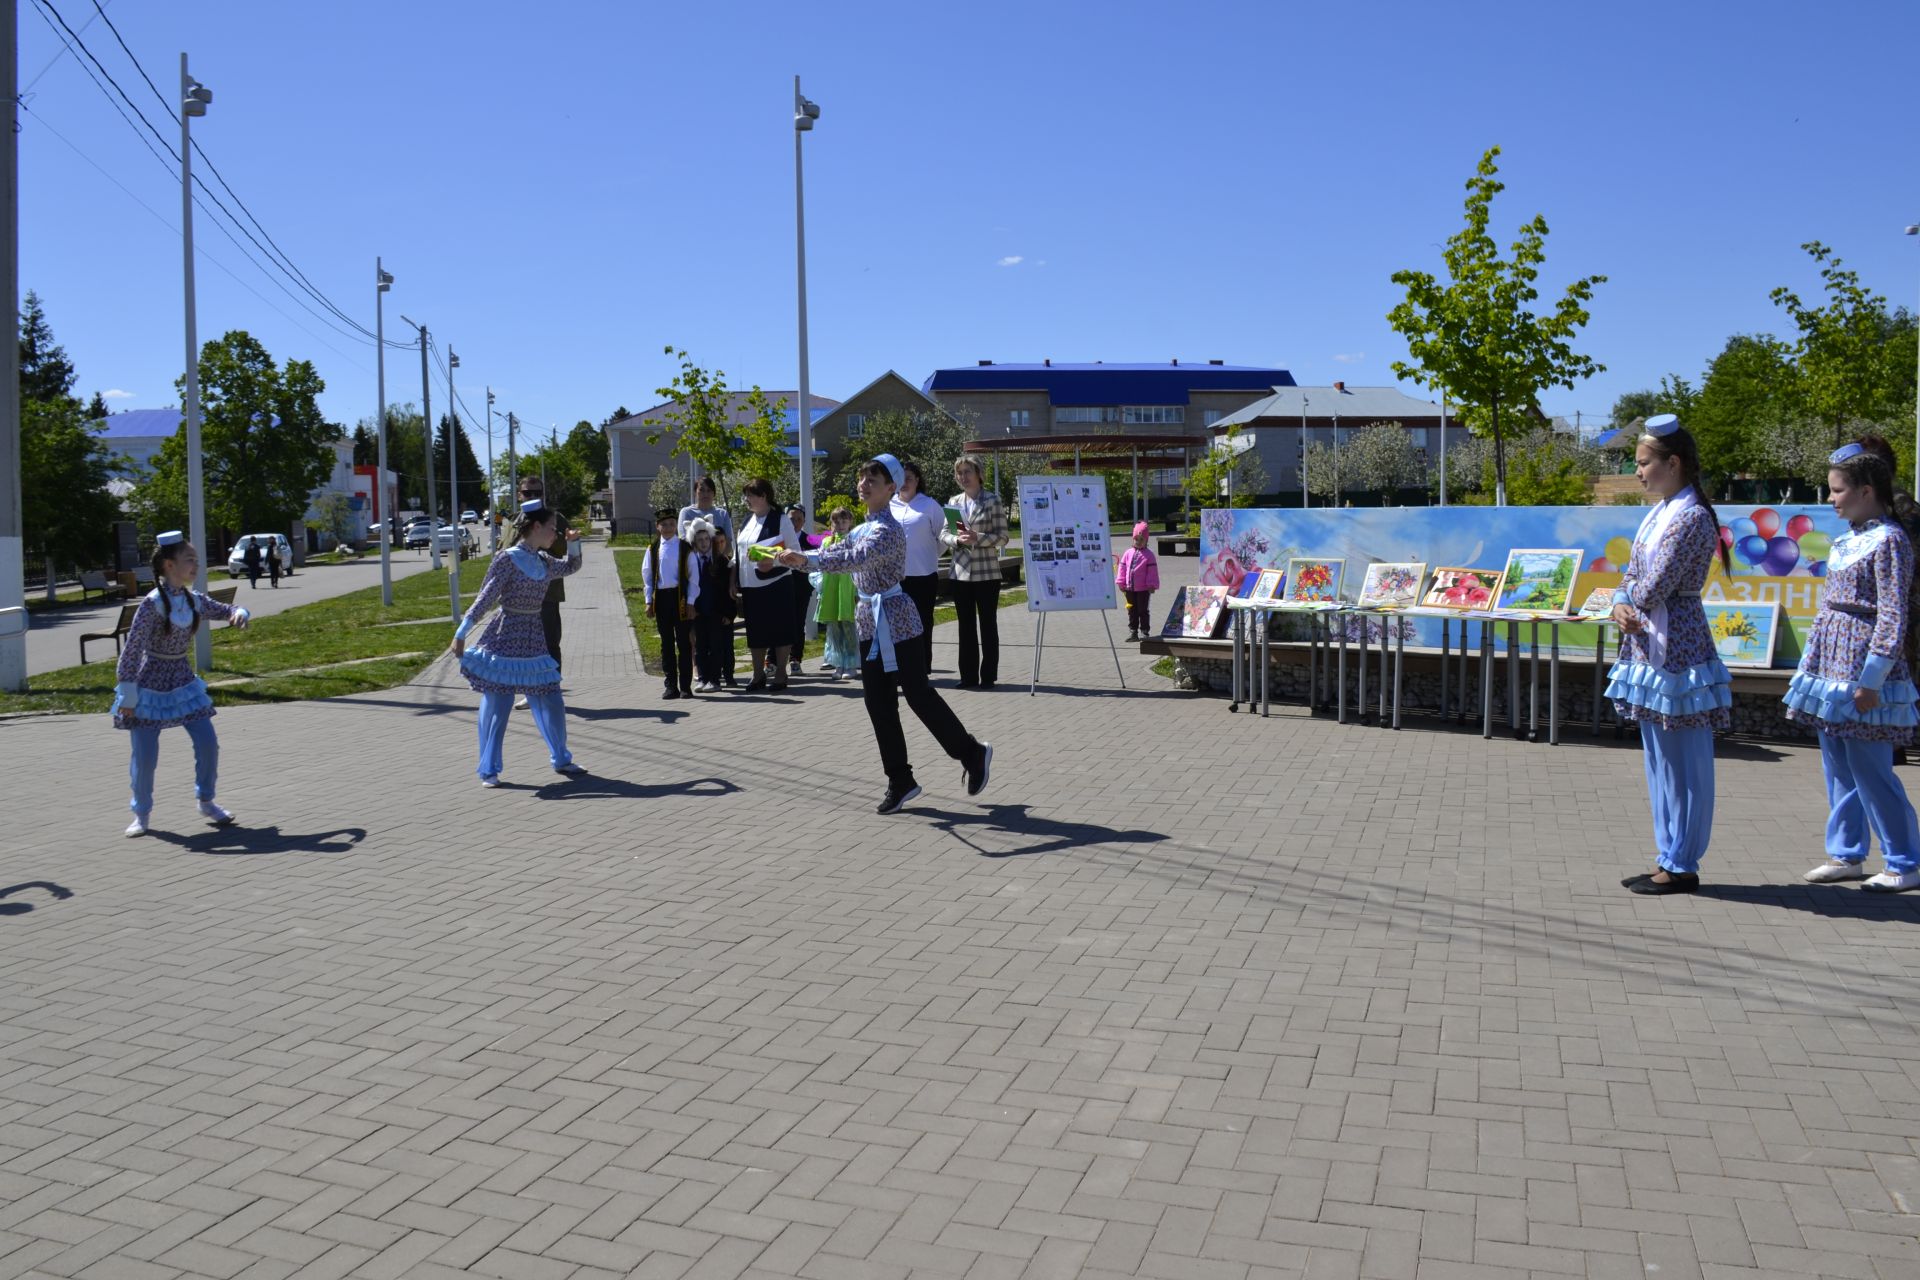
x: 46, y: 373
x: 66, y: 509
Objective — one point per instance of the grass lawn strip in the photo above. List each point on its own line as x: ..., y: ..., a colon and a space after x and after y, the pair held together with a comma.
x: 319, y: 650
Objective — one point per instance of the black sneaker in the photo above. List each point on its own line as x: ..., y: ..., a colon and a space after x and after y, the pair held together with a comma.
x: 897, y: 800
x: 977, y: 775
x: 670, y: 693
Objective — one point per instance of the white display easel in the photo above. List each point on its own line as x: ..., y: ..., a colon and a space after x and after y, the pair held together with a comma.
x: 1069, y: 555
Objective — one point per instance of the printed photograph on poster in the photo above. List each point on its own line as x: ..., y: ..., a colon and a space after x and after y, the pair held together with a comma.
x: 1314, y: 581
x: 1456, y: 588
x: 1064, y: 532
x: 1538, y: 581
x: 1744, y: 634
x: 1392, y: 585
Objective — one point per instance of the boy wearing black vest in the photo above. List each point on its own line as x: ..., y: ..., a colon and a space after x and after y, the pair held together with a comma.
x: 672, y: 587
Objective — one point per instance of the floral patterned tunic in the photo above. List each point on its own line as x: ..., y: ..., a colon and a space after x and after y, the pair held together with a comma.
x: 511, y: 655
x: 875, y: 553
x: 1859, y: 640
x: 1690, y: 687
x: 156, y: 672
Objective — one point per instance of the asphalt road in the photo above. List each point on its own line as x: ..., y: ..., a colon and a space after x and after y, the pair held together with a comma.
x: 53, y: 637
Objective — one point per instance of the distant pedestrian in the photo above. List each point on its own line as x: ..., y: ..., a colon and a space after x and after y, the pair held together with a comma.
x: 976, y: 544
x: 1138, y: 576
x: 672, y: 588
x: 272, y: 554
x: 1855, y: 683
x: 251, y: 558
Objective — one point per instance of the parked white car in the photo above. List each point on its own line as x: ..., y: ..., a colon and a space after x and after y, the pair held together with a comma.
x: 274, y: 544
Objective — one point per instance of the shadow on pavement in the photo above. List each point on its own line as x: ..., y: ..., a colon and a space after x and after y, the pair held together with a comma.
x: 662, y: 714
x: 1835, y: 902
x: 228, y: 841
x: 591, y: 786
x: 57, y: 892
x: 1019, y: 820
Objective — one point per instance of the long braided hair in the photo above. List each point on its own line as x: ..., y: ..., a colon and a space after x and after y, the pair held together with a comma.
x: 1679, y: 443
x: 1874, y: 470
x: 162, y: 557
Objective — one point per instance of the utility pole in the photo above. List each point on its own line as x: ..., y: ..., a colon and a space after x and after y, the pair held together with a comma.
x: 453, y: 487
x: 381, y: 283
x: 426, y: 421
x: 1443, y: 446
x: 493, y: 498
x: 13, y: 563
x: 513, y: 465
x: 194, y: 98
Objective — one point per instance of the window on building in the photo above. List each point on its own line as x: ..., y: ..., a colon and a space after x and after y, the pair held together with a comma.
x: 856, y: 425
x: 1087, y: 413
x: 1419, y: 435
x: 1209, y: 416
x: 1154, y: 414
x: 1019, y: 418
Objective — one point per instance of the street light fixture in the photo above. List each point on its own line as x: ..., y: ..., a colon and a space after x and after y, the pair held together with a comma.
x: 194, y: 98
x: 805, y: 112
x: 493, y: 498
x: 426, y: 425
x: 453, y: 487
x: 382, y: 281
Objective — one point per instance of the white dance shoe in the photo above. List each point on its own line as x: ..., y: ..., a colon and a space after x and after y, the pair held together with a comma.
x: 138, y: 827
x: 215, y: 814
x: 1833, y: 871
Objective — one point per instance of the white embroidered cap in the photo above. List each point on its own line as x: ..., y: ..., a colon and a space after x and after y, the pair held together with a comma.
x: 1662, y: 424
x: 170, y: 538
x: 533, y: 506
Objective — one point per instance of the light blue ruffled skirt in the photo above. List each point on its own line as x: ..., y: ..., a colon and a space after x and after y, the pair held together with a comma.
x: 1811, y: 697
x: 489, y: 672
x: 1698, y: 690
x: 190, y: 701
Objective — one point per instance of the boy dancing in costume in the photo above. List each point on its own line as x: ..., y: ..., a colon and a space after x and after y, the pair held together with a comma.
x: 896, y: 651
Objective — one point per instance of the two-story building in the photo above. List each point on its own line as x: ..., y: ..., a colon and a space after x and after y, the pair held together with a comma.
x: 634, y: 460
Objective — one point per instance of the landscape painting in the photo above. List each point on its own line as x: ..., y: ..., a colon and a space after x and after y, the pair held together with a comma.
x: 1538, y: 581
x: 1460, y: 588
x: 1314, y: 581
x: 1392, y: 584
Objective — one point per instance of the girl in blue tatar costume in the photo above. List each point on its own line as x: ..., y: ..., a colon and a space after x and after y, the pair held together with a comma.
x: 1855, y: 682
x: 1669, y: 679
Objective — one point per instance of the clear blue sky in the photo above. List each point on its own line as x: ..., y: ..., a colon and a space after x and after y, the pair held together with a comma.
x: 564, y: 188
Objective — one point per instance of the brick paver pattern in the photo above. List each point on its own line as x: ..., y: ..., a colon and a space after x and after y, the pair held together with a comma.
x: 1185, y: 994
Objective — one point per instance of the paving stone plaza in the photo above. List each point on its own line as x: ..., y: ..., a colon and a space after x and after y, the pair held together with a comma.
x: 1184, y: 994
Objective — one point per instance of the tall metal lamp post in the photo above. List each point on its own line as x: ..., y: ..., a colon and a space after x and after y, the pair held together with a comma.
x: 194, y: 98
x: 804, y: 114
x: 493, y: 498
x: 453, y: 488
x: 382, y: 281
x: 1914, y: 230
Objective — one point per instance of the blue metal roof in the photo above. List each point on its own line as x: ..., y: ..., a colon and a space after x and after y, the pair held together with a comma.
x: 1109, y: 384
x: 139, y: 423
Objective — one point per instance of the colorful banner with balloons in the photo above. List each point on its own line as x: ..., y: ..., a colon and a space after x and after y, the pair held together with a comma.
x: 1777, y: 554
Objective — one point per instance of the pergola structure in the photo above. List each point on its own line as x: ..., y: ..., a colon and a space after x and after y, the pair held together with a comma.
x: 1156, y: 452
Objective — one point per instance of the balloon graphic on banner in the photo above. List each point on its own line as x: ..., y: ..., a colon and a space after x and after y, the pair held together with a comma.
x: 1600, y: 565
x: 1766, y: 522
x: 1814, y: 545
x: 1726, y: 535
x: 1782, y: 554
x: 1799, y: 527
x: 1751, y: 549
x: 1743, y: 528
x: 1818, y: 568
x: 1620, y: 550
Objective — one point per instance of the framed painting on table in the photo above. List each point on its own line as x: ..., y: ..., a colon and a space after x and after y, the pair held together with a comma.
x: 1462, y: 588
x: 1539, y: 581
x: 1392, y: 584
x: 1313, y: 581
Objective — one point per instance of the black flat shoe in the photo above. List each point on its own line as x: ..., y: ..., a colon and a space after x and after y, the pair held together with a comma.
x: 1631, y: 881
x: 1678, y: 884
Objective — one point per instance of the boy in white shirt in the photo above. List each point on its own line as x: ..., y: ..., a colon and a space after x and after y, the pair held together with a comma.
x: 672, y: 587
x: 923, y: 519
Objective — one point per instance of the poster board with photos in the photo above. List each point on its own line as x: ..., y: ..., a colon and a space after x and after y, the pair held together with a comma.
x: 1065, y: 539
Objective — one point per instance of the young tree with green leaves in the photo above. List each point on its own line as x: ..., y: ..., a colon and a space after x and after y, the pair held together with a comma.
x: 1376, y: 459
x: 264, y: 444
x: 589, y: 444
x: 706, y: 428
x: 1845, y: 357
x: 1476, y: 336
x: 1222, y: 472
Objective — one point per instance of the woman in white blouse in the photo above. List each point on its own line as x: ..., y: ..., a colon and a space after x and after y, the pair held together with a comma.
x: 766, y: 587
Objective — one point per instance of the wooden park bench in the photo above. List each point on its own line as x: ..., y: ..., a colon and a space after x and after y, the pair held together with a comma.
x: 120, y: 629
x: 96, y: 580
x: 1178, y: 546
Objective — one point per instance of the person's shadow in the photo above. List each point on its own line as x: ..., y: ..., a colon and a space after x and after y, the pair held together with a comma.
x: 59, y: 893
x: 251, y: 841
x: 1835, y: 902
x: 665, y: 715
x: 1049, y: 835
x: 589, y: 786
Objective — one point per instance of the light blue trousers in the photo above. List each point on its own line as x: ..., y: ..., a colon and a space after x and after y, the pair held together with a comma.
x: 1680, y: 785
x: 1866, y: 797
x: 549, y: 713
x: 146, y: 754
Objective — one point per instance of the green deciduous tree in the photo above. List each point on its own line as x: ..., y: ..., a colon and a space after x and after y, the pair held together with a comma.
x: 1842, y: 356
x: 472, y: 485
x: 589, y: 444
x: 1380, y: 458
x: 1222, y: 472
x: 1749, y: 391
x: 931, y: 439
x: 706, y: 426
x: 1476, y: 336
x: 66, y: 509
x: 264, y: 444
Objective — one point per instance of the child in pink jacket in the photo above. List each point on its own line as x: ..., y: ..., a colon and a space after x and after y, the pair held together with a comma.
x: 1138, y: 575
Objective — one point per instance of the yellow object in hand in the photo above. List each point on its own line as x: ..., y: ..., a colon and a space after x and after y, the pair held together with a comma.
x: 763, y: 551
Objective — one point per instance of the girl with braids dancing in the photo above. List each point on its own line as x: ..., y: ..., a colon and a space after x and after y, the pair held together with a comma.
x: 157, y: 686
x: 1668, y: 678
x: 1855, y: 682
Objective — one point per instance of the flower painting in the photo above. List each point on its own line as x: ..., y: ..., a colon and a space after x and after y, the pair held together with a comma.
x: 1314, y: 581
x: 1391, y: 585
x: 1269, y: 584
x: 1462, y: 589
x: 1743, y: 633
x: 1196, y: 612
x: 1539, y: 581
